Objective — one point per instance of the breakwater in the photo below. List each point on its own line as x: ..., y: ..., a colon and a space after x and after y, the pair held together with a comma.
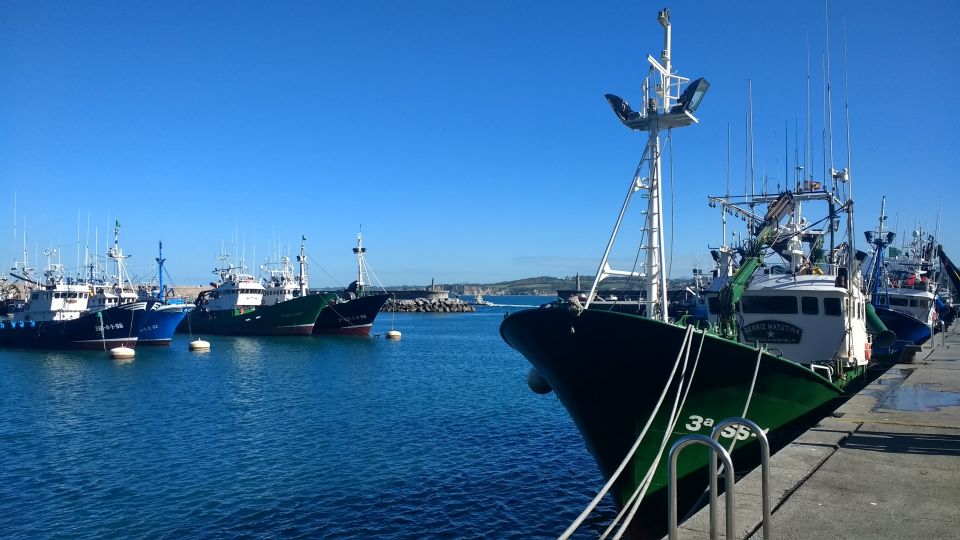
x: 425, y: 305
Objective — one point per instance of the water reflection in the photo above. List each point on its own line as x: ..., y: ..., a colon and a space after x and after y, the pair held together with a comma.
x: 920, y: 397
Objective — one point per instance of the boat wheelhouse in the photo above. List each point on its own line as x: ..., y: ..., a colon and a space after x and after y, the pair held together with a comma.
x: 280, y: 282
x: 235, y: 290
x: 235, y: 307
x: 798, y: 300
x: 55, y: 316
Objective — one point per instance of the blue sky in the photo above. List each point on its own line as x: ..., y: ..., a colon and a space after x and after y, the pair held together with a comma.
x: 470, y: 140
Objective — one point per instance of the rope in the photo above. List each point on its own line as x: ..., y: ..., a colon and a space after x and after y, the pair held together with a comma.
x: 130, y: 332
x: 753, y: 383
x: 626, y: 460
x: 746, y: 406
x: 103, y: 338
x: 641, y: 491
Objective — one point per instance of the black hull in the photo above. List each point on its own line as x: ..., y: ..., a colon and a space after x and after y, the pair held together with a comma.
x: 120, y: 326
x: 609, y: 369
x: 353, y: 317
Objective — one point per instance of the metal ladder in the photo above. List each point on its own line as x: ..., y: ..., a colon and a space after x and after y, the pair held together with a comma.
x: 717, y: 450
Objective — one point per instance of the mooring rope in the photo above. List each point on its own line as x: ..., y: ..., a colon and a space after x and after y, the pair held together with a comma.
x: 688, y: 337
x: 753, y: 383
x: 641, y: 491
x: 746, y: 407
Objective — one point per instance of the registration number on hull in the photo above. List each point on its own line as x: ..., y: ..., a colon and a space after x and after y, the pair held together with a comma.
x: 742, y: 433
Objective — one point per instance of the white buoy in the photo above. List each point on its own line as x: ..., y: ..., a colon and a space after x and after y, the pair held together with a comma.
x: 393, y: 334
x: 122, y: 353
x: 199, y: 345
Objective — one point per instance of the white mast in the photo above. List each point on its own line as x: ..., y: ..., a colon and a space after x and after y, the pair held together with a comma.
x: 302, y: 259
x: 361, y: 265
x: 664, y: 107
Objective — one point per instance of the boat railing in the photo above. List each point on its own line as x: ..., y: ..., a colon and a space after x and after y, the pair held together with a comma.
x: 829, y: 269
x: 717, y: 451
x: 827, y: 370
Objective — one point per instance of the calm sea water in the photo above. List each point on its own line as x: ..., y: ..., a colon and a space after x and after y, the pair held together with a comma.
x: 432, y: 436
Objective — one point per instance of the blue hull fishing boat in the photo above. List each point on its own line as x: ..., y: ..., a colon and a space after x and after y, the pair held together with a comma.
x: 162, y: 321
x: 890, y: 303
x: 163, y: 314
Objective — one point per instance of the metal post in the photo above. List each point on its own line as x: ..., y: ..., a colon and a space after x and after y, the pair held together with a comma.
x: 764, y: 465
x: 716, y: 448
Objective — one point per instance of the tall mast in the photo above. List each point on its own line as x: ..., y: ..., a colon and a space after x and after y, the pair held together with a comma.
x: 664, y: 107
x: 726, y: 195
x: 847, y: 173
x: 302, y: 259
x: 753, y: 159
x: 807, y: 134
x: 826, y: 68
x: 160, y: 260
x: 359, y: 251
x: 117, y: 255
x: 656, y: 277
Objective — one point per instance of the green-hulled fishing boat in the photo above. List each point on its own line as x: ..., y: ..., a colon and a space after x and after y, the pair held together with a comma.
x: 634, y: 385
x: 235, y: 307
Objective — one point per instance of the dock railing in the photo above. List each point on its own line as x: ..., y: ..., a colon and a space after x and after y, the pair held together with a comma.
x: 716, y: 451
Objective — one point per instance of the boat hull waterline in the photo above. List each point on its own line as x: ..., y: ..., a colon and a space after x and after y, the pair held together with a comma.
x: 113, y: 327
x: 909, y: 330
x: 162, y: 322
x: 353, y: 317
x: 294, y: 317
x: 608, y: 370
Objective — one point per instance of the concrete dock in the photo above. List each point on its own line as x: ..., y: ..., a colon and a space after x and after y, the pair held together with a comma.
x: 886, y: 464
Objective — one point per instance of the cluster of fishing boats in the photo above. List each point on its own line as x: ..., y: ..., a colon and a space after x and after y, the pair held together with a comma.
x: 101, y: 311
x: 791, y: 318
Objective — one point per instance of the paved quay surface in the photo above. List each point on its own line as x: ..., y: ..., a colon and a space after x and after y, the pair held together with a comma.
x: 886, y: 464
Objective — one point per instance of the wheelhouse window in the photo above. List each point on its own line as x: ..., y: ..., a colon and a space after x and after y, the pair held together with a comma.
x: 831, y: 306
x: 713, y: 303
x: 810, y: 305
x: 897, y: 301
x: 769, y: 304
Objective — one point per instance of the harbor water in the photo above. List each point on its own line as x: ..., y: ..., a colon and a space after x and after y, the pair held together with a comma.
x: 432, y: 436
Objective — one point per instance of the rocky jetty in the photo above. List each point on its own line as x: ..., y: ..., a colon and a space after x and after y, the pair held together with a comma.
x: 424, y: 305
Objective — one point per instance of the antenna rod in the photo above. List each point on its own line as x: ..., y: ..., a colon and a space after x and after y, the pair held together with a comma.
x: 826, y: 17
x: 807, y: 135
x: 846, y: 110
x: 160, y: 261
x: 723, y: 212
x: 753, y: 181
